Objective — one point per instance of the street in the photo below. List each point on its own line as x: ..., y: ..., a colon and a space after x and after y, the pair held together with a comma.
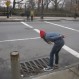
x: 24, y: 38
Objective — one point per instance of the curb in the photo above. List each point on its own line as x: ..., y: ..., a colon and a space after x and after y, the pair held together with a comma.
x: 19, y: 20
x: 76, y: 65
x: 59, y: 20
x: 11, y: 20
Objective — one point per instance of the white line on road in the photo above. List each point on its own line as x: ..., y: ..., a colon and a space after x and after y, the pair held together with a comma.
x: 37, y: 30
x: 62, y: 26
x: 18, y: 39
x: 68, y: 49
x: 30, y: 27
x: 71, y: 51
x: 26, y: 25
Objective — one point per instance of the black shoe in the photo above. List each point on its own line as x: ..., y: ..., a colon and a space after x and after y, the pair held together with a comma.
x: 56, y: 66
x: 48, y: 68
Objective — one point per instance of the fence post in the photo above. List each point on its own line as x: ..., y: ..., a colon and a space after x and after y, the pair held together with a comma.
x: 15, y: 66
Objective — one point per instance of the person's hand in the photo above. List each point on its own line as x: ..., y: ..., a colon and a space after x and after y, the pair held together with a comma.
x: 49, y: 42
x: 62, y: 36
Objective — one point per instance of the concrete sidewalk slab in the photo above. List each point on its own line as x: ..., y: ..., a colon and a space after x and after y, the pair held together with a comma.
x: 64, y: 74
x: 24, y: 18
x: 70, y: 72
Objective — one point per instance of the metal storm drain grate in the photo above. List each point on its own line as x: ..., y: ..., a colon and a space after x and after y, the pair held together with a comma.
x: 33, y: 67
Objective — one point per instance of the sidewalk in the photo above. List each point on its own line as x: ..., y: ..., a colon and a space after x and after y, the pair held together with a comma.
x: 68, y: 72
x: 20, y: 18
x: 12, y: 19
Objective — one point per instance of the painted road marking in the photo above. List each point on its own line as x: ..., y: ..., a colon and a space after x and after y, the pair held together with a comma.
x: 30, y: 27
x: 68, y: 49
x: 18, y: 39
x: 71, y: 51
x: 61, y: 26
x: 38, y: 31
x: 26, y: 25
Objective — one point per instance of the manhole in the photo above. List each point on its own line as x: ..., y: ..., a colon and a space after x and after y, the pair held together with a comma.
x: 33, y: 67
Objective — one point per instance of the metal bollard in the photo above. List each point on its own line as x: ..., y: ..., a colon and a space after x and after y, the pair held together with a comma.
x: 15, y: 66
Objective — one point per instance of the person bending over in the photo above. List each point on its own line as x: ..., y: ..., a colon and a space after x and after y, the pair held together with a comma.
x: 57, y: 39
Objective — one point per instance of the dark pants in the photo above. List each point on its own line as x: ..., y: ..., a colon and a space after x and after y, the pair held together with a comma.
x: 55, y: 52
x: 28, y: 17
x: 31, y: 18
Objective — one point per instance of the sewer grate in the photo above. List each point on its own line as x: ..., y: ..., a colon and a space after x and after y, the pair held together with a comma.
x: 34, y: 67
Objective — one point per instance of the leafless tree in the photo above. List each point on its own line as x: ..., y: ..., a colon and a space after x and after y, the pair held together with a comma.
x: 13, y: 4
x: 56, y: 3
x: 31, y: 3
x: 72, y: 5
x: 46, y: 3
x: 63, y: 4
x: 16, y: 2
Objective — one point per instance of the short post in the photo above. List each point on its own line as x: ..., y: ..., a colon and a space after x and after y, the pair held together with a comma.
x: 15, y: 66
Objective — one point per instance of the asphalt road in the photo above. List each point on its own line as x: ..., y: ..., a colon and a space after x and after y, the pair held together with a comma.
x: 24, y: 38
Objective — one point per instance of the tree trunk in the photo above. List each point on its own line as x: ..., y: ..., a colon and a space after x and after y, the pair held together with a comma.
x: 56, y: 5
x: 14, y: 4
